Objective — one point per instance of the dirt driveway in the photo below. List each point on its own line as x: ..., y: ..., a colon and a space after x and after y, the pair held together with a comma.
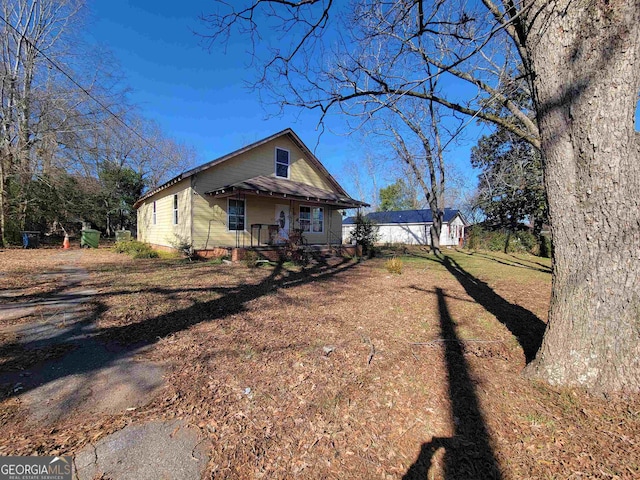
x: 338, y: 370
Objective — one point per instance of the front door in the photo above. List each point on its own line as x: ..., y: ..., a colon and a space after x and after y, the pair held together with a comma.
x: 282, y: 220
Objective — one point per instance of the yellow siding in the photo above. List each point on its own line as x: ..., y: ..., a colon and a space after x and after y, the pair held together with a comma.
x: 261, y: 161
x: 203, y: 219
x: 210, y: 224
x: 210, y: 214
x: 164, y: 232
x: 210, y: 221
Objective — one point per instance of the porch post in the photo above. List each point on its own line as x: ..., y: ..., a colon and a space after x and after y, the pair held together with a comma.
x: 237, y: 238
x: 244, y: 202
x: 290, y: 217
x: 330, y: 210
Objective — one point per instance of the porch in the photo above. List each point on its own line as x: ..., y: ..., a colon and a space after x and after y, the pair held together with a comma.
x: 272, y: 213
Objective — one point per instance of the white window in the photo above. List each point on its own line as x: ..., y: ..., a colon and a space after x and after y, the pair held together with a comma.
x: 312, y: 219
x: 175, y: 209
x: 155, y: 218
x: 282, y: 163
x: 236, y: 214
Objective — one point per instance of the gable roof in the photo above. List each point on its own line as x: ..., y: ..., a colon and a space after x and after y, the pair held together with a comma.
x: 407, y: 216
x: 288, y: 189
x: 286, y: 132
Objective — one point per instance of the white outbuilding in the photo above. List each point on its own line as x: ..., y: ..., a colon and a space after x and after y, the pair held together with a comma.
x: 411, y: 227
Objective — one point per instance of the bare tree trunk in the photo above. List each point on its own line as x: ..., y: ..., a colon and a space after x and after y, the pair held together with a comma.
x: 434, y: 231
x: 507, y: 240
x: 3, y: 198
x: 433, y: 159
x: 587, y: 64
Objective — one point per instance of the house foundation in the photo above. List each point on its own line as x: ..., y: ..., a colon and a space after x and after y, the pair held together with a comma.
x: 275, y: 254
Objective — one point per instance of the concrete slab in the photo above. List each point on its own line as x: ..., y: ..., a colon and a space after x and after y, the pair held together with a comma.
x: 124, y: 383
x: 151, y: 451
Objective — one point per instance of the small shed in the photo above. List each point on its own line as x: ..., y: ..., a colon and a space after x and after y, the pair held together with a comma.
x: 411, y: 227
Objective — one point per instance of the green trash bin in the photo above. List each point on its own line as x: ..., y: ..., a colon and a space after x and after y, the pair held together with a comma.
x: 90, y: 238
x: 123, y: 235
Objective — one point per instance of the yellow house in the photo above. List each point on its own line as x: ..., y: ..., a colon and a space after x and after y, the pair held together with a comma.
x: 260, y: 196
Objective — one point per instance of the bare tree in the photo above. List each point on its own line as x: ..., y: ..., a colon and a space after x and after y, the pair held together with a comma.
x: 365, y: 175
x: 63, y: 109
x: 28, y: 31
x: 127, y: 140
x: 425, y: 163
x: 582, y: 66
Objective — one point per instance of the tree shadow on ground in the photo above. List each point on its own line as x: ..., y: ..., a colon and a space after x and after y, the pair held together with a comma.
x: 517, y: 262
x: 104, y: 347
x: 468, y: 454
x: 522, y: 323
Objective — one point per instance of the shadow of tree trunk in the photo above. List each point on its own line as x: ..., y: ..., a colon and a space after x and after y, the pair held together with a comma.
x: 523, y: 324
x: 468, y: 454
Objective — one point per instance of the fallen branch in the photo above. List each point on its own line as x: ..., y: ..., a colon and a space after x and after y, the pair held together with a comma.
x: 372, y: 348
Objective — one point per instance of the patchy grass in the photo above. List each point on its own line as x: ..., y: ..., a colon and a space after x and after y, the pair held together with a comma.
x: 394, y: 265
x: 341, y: 370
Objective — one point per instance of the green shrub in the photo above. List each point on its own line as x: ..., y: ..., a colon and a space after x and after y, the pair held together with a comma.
x: 12, y: 233
x: 525, y: 242
x: 251, y: 258
x: 474, y: 240
x: 120, y: 247
x: 183, y: 246
x: 545, y: 246
x: 394, y: 265
x: 365, y: 233
x: 495, y: 241
x: 135, y: 249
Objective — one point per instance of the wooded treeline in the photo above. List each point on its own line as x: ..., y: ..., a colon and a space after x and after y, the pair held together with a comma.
x: 72, y: 147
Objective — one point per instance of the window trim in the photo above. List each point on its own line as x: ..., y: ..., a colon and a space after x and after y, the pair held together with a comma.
x: 176, y: 218
x: 243, y: 200
x: 311, y: 208
x: 155, y: 213
x: 276, y: 163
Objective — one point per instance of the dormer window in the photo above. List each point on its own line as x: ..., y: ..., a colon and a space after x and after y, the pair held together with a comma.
x: 282, y: 163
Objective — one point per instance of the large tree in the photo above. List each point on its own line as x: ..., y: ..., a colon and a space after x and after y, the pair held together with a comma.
x: 584, y: 63
x: 397, y: 196
x: 581, y: 61
x: 510, y: 182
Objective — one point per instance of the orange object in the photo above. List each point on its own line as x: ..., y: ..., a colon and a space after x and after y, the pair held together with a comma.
x: 65, y: 242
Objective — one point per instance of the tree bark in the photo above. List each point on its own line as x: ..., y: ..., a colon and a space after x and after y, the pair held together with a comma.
x: 3, y: 198
x: 586, y: 59
x: 434, y: 231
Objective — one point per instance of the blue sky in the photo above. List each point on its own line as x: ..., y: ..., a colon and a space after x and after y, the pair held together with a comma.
x: 199, y: 96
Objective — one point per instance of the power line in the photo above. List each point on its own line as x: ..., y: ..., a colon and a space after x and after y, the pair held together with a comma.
x: 86, y: 92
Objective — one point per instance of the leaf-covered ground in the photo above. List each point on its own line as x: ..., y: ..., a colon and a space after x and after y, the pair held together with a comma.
x: 339, y: 370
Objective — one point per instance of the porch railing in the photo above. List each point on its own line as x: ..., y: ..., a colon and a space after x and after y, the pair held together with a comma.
x: 263, y: 234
